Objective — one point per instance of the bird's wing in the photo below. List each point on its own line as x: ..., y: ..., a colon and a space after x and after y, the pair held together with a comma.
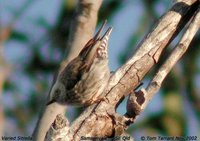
x: 71, y: 75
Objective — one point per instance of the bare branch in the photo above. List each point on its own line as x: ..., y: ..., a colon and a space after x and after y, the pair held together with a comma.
x: 101, y: 119
x: 176, y: 54
x: 138, y: 101
x: 59, y: 129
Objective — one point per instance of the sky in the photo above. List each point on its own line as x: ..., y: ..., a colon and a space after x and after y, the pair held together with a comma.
x: 124, y: 23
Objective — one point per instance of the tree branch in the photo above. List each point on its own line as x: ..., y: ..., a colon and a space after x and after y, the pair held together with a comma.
x: 136, y: 106
x: 101, y: 119
x: 176, y: 54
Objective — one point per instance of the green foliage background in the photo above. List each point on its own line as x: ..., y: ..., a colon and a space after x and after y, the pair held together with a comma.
x: 175, y: 111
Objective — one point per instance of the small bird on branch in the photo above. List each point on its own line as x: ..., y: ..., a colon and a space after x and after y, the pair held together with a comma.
x: 84, y: 79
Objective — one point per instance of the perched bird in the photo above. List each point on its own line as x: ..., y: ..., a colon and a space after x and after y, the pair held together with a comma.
x: 84, y: 79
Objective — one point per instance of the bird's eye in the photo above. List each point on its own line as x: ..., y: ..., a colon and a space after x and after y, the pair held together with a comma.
x: 57, y: 92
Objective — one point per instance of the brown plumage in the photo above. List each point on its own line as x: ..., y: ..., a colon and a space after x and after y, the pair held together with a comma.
x: 85, y: 77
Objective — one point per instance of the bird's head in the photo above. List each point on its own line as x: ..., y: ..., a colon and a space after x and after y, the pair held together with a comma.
x: 57, y: 94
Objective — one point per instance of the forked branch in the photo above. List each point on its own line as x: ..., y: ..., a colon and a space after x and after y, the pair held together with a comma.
x: 134, y: 106
x: 101, y: 119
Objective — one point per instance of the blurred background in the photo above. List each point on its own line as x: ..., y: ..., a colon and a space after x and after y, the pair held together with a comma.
x: 33, y: 35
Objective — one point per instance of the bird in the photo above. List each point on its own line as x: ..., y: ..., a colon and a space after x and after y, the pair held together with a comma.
x: 84, y: 79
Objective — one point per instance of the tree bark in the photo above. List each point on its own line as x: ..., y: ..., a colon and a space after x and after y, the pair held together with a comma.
x: 100, y: 119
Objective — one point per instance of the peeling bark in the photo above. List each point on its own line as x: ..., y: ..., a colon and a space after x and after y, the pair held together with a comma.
x: 101, y: 119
